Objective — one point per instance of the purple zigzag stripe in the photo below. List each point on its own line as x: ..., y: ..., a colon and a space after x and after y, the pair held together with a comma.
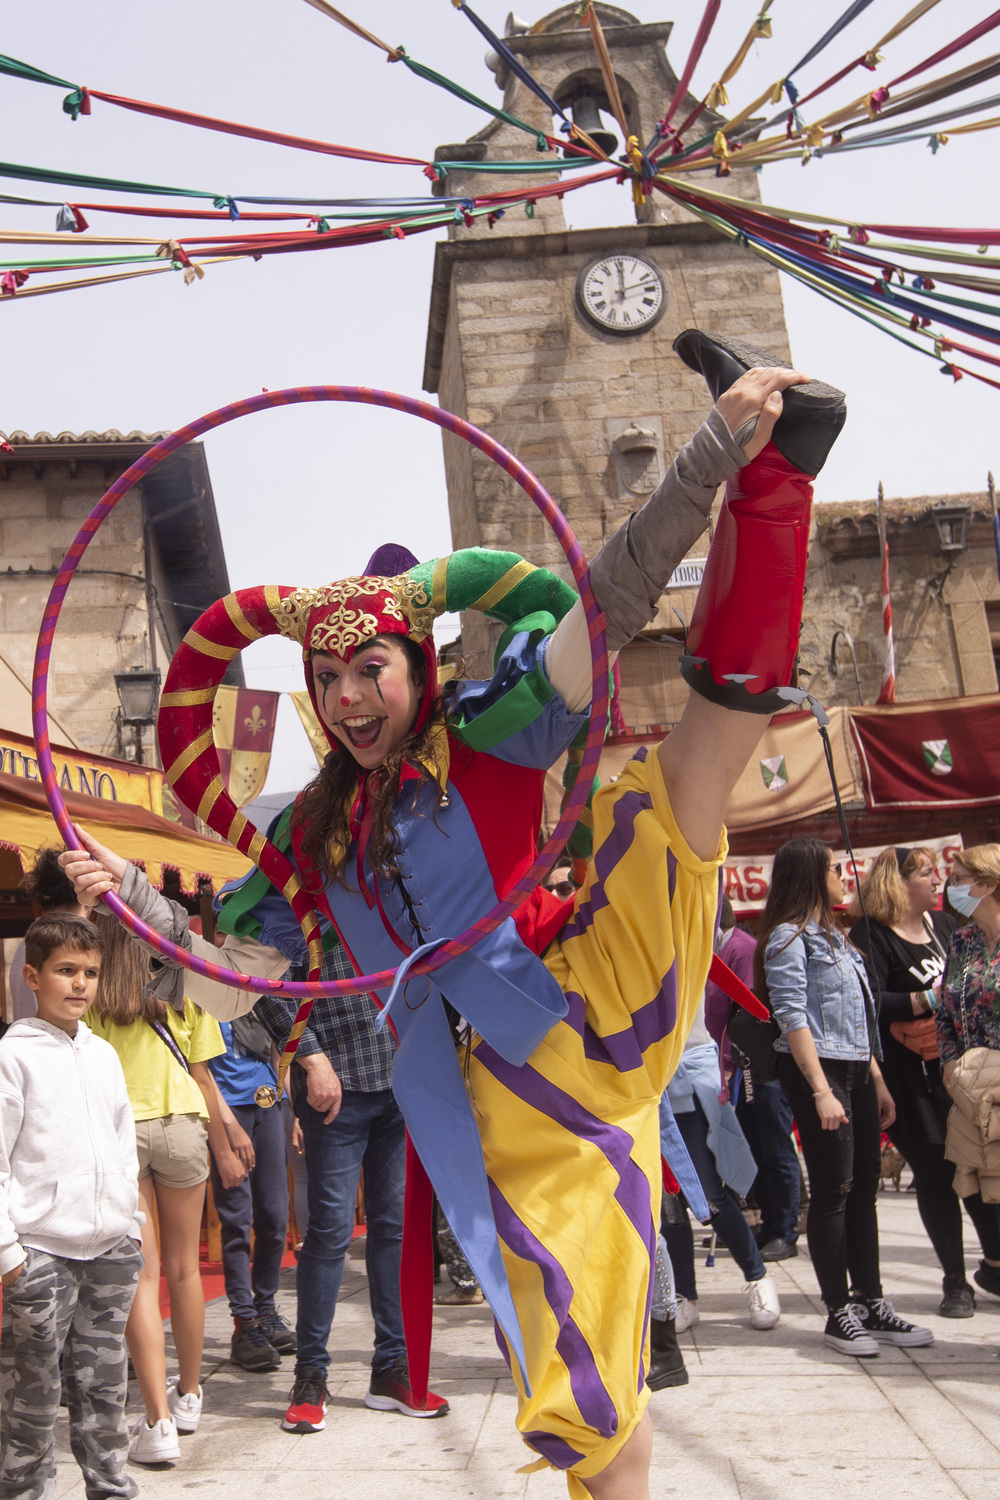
x: 607, y: 856
x: 624, y: 1049
x: 558, y: 1452
x: 596, y: 1406
x: 632, y: 1193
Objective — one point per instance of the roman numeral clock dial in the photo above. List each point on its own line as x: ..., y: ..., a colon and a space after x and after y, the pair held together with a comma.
x: 623, y: 294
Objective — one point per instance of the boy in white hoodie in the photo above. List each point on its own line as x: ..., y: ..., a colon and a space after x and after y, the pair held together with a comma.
x: 69, y: 1225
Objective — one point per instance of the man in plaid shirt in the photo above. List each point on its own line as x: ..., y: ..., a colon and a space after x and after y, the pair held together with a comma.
x: 341, y: 1090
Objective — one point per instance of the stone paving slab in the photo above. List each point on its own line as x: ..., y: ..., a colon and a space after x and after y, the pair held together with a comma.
x: 767, y: 1416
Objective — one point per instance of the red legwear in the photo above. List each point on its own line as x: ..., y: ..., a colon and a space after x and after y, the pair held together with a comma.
x: 749, y: 607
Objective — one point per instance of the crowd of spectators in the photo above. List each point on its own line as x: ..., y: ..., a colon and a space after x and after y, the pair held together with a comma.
x: 884, y: 1030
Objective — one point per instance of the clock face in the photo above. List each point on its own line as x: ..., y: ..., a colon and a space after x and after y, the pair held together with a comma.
x: 621, y: 293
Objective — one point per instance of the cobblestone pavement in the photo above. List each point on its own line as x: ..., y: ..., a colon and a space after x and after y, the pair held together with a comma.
x: 767, y: 1416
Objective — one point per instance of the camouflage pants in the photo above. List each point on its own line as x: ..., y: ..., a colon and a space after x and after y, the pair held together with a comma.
x: 76, y: 1308
x: 457, y: 1266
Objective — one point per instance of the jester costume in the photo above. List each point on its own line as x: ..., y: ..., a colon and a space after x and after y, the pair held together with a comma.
x: 544, y: 1152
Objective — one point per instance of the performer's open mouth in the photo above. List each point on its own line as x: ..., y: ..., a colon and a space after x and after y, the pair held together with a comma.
x: 362, y: 731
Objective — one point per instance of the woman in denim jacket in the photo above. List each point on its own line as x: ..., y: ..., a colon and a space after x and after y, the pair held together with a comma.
x: 817, y: 988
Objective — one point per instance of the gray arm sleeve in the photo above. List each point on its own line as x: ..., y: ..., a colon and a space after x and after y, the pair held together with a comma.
x: 171, y: 982
x: 632, y: 569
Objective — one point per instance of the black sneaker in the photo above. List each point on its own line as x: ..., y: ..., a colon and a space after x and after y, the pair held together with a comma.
x: 959, y: 1300
x: 988, y: 1277
x: 390, y: 1391
x: 251, y: 1347
x: 844, y: 1333
x: 878, y: 1319
x: 307, y: 1406
x: 279, y: 1333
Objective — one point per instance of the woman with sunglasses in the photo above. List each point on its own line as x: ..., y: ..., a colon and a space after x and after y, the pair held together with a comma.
x: 817, y: 988
x: 905, y: 942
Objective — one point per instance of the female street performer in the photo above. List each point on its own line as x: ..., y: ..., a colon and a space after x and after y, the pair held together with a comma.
x: 571, y: 1050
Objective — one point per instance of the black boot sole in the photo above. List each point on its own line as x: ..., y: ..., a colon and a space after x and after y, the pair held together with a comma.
x: 668, y: 1379
x: 813, y: 414
x: 257, y: 1366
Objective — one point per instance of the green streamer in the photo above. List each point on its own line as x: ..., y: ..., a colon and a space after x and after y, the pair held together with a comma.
x: 33, y: 75
x: 77, y: 265
x: 110, y: 184
x: 429, y: 76
x: 558, y: 164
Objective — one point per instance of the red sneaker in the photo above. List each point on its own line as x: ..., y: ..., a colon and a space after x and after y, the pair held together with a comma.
x: 390, y: 1391
x: 307, y: 1408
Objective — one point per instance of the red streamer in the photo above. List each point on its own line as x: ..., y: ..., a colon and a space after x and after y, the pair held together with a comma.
x: 697, y: 47
x: 228, y: 127
x: 964, y: 40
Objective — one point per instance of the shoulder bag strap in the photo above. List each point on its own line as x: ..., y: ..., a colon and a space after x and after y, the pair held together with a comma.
x: 167, y: 1038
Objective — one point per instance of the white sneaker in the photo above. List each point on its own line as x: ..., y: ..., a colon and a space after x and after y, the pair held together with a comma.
x: 185, y: 1410
x: 154, y: 1445
x: 762, y: 1301
x: 686, y: 1316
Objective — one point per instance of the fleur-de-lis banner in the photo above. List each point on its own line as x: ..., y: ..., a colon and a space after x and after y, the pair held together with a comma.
x: 243, y: 728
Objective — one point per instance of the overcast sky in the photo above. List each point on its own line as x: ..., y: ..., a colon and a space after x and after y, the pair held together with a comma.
x: 305, y: 494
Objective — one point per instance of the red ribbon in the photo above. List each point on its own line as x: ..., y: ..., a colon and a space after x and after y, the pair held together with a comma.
x: 416, y: 1273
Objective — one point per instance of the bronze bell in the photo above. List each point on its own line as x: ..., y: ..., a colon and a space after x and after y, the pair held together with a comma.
x: 587, y: 117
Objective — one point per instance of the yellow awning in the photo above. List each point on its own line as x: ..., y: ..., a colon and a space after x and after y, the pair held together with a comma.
x: 26, y: 825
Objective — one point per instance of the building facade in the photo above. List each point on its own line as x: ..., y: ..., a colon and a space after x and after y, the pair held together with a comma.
x: 598, y: 413
x: 152, y: 567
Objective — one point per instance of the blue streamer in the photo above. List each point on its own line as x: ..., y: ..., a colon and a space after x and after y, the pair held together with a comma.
x: 514, y: 63
x: 846, y: 283
x: 850, y: 14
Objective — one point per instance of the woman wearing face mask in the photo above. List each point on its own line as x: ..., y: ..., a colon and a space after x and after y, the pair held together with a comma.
x: 827, y: 1065
x: 905, y: 942
x: 968, y: 1024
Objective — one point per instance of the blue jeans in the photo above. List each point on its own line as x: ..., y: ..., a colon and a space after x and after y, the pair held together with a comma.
x: 368, y: 1132
x: 259, y: 1202
x: 767, y: 1125
x: 727, y: 1216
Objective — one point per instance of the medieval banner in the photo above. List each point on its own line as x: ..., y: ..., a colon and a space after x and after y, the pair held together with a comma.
x: 787, y: 775
x: 243, y: 728
x: 930, y: 754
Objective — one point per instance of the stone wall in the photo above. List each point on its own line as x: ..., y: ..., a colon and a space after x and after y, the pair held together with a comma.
x: 104, y: 625
x: 940, y: 627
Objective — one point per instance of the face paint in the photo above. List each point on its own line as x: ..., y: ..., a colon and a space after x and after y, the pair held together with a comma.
x: 369, y: 703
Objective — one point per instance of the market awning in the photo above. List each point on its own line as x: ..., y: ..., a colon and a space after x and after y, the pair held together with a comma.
x: 26, y: 825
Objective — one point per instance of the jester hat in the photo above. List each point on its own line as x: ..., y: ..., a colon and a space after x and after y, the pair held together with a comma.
x: 337, y: 618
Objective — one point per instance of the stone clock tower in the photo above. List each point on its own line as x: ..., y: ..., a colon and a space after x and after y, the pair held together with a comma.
x: 525, y: 341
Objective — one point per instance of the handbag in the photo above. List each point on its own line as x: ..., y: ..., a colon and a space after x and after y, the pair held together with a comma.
x: 752, y: 1044
x: 918, y: 1035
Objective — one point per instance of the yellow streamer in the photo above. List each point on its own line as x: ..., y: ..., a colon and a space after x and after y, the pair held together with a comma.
x: 607, y: 69
x: 392, y: 53
x: 761, y: 28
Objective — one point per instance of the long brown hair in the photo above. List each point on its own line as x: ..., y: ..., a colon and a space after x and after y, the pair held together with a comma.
x: 798, y: 889
x: 321, y: 814
x: 124, y: 975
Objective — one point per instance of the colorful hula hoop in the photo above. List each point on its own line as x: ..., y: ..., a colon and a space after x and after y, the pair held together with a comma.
x: 535, y: 491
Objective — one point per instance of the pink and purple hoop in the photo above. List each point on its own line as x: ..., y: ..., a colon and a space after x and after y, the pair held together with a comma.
x: 535, y: 491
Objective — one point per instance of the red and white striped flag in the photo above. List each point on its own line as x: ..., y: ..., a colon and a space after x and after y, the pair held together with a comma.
x: 887, y: 692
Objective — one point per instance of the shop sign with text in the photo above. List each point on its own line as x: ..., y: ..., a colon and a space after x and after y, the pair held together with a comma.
x: 746, y: 880
x: 91, y: 775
